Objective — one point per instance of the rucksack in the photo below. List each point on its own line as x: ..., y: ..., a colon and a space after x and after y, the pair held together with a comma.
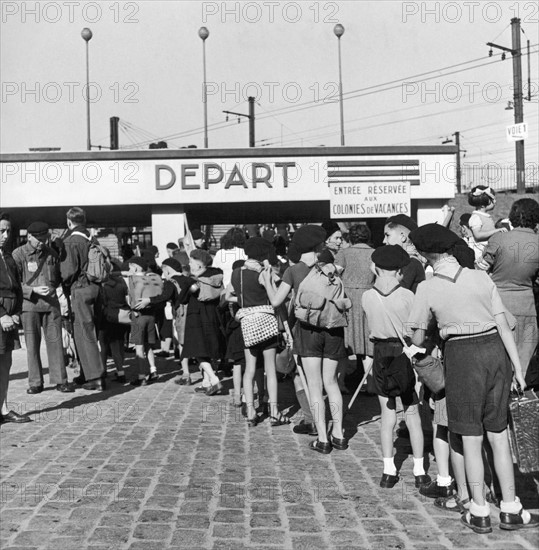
x: 321, y: 301
x: 147, y: 285
x: 210, y: 287
x: 98, y: 268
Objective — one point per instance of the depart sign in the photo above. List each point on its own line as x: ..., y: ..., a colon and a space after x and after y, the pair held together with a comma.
x: 369, y: 200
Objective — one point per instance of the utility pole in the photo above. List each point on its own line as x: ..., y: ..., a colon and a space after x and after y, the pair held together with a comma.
x: 114, y: 141
x: 516, y: 52
x: 459, y: 173
x: 250, y: 116
x: 518, y: 99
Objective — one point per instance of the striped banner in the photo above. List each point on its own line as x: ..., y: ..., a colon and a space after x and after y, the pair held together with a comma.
x: 376, y: 171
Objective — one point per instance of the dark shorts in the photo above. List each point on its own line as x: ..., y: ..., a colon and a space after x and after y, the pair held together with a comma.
x: 318, y: 342
x: 384, y: 353
x: 477, y: 383
x: 270, y: 343
x: 143, y: 330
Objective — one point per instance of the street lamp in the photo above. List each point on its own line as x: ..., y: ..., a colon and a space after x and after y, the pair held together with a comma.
x: 203, y: 32
x: 87, y: 36
x: 339, y: 31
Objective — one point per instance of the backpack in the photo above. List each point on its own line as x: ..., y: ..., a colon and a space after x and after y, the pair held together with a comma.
x: 98, y: 268
x: 321, y: 301
x: 148, y: 285
x: 210, y: 287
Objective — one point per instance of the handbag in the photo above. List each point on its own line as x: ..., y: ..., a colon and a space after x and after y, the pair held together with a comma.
x: 258, y: 323
x: 285, y: 363
x: 524, y: 430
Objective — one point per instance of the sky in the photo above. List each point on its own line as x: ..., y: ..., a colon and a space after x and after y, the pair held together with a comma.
x: 146, y: 68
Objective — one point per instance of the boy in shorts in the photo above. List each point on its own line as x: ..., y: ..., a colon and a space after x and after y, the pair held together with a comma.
x: 142, y: 329
x: 387, y: 305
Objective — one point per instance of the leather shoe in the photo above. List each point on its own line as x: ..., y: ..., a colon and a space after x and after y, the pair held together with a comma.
x: 120, y: 378
x: 321, y: 447
x: 34, y: 389
x: 216, y: 388
x: 388, y: 481
x: 12, y: 416
x: 433, y: 490
x: 65, y: 388
x: 422, y: 480
x: 305, y: 428
x: 97, y: 384
x: 202, y: 389
x: 478, y: 524
x: 183, y: 381
x: 512, y: 522
x: 79, y: 380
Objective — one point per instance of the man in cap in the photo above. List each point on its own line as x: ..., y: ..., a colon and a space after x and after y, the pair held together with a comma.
x: 84, y: 295
x: 199, y: 239
x: 396, y: 231
x: 39, y: 271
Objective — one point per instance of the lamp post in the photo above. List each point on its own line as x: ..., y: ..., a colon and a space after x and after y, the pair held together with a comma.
x: 203, y: 32
x: 339, y: 31
x: 87, y: 36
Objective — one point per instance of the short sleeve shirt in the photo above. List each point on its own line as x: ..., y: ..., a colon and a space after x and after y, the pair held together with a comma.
x: 464, y: 307
x: 295, y: 274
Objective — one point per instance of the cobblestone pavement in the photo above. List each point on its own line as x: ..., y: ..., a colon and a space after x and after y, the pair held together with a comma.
x: 162, y: 467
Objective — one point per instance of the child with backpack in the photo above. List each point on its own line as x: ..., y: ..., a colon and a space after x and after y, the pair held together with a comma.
x: 175, y: 291
x: 386, y: 306
x: 320, y: 309
x: 143, y: 285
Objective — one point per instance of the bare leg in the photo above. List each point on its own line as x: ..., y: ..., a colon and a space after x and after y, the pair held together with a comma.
x: 313, y: 373
x: 248, y: 377
x: 473, y: 462
x: 329, y: 376
x: 271, y: 381
x: 413, y: 422
x: 441, y: 449
x: 503, y: 464
x: 457, y: 462
x: 387, y: 425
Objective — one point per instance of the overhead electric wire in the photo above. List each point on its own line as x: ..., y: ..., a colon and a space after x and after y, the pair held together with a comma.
x: 350, y: 95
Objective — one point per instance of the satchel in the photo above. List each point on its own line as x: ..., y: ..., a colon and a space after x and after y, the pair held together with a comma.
x: 524, y: 430
x: 258, y: 324
x: 398, y: 376
x: 430, y: 371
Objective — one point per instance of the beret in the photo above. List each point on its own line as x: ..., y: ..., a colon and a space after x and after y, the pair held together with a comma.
x: 402, y: 219
x: 308, y: 237
x: 434, y: 238
x: 173, y: 263
x: 390, y: 257
x: 38, y: 228
x: 197, y: 234
x: 137, y: 260
x: 238, y: 263
x: 172, y: 246
x: 269, y: 235
x: 330, y: 227
x: 257, y: 248
x: 294, y: 255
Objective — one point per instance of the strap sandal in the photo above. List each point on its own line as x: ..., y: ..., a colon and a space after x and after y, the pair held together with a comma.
x: 281, y: 421
x: 512, y: 522
x: 478, y: 524
x: 452, y: 503
x: 319, y: 447
x: 252, y: 422
x: 339, y: 444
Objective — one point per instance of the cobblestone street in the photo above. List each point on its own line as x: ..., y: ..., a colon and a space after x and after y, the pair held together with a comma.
x: 162, y: 467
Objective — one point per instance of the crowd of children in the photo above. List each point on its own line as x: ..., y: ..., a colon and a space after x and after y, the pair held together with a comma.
x: 425, y: 299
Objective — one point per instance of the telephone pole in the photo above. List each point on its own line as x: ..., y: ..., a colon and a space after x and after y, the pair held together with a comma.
x: 516, y: 52
x: 459, y: 172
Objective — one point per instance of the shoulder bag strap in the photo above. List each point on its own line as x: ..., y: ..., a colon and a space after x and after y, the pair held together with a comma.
x: 38, y: 271
x: 405, y: 345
